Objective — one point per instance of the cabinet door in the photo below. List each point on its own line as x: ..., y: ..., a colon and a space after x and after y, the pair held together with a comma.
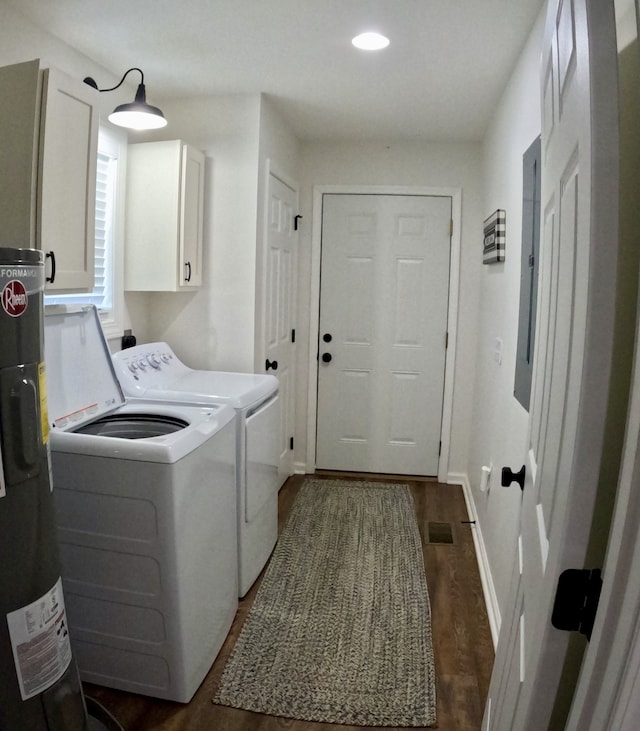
x: 67, y: 180
x: 191, y: 214
x: 151, y: 218
x: 165, y: 201
x: 19, y: 121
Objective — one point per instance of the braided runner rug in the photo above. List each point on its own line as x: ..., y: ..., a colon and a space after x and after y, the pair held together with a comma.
x: 340, y: 629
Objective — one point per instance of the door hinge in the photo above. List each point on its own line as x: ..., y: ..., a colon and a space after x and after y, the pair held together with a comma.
x: 446, y: 340
x: 576, y: 601
x: 451, y: 227
x: 439, y: 448
x: 290, y: 442
x: 293, y: 335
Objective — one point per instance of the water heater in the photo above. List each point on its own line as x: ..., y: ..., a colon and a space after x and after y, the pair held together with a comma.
x: 40, y: 688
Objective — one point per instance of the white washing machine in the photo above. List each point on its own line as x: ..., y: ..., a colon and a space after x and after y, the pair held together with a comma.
x: 145, y: 504
x: 153, y: 371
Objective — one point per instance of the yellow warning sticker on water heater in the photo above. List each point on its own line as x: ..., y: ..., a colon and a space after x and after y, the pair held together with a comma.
x: 44, y: 414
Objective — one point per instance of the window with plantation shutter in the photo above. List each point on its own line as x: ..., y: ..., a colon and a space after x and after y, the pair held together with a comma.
x: 106, y: 292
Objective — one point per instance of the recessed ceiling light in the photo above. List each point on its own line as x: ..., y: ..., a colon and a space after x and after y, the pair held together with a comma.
x: 370, y: 41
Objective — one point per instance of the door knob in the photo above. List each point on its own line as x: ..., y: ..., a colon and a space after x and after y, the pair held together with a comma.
x: 327, y: 337
x: 326, y: 357
x: 271, y: 364
x: 508, y: 476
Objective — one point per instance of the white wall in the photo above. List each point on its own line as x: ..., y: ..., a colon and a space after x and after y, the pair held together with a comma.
x: 218, y: 327
x: 279, y: 153
x: 499, y: 421
x: 400, y: 164
x: 213, y: 327
x: 20, y: 41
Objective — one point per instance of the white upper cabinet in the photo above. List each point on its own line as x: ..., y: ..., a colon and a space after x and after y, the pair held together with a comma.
x: 67, y: 180
x: 48, y: 151
x: 164, y: 217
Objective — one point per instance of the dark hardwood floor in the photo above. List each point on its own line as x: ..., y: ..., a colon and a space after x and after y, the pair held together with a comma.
x: 462, y: 639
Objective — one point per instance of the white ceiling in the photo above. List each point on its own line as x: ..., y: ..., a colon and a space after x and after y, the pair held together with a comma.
x: 447, y: 64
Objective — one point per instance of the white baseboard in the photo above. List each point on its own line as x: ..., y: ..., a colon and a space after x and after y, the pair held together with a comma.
x: 488, y: 588
x: 300, y: 468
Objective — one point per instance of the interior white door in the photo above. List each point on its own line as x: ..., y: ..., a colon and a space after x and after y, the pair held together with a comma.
x: 383, y: 322
x: 280, y: 300
x: 573, y: 353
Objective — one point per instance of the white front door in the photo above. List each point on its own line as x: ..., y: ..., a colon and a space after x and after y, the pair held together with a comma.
x: 574, y: 340
x: 280, y: 299
x: 382, y: 338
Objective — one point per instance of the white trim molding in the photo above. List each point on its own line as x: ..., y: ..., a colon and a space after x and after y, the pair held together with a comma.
x: 488, y: 587
x: 299, y: 468
x: 452, y: 323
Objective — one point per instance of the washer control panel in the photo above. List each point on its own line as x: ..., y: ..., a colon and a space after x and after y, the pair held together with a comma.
x: 153, y: 364
x: 155, y: 360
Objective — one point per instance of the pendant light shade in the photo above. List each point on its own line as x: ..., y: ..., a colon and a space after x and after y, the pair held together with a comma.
x: 137, y: 114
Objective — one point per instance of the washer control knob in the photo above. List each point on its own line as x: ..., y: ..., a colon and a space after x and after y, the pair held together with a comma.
x: 133, y: 366
x: 153, y: 360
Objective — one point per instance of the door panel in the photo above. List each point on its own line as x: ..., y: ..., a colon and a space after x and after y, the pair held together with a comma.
x: 573, y: 352
x: 281, y: 243
x: 383, y: 320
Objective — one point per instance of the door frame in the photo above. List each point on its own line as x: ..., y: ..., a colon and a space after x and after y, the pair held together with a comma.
x: 452, y: 316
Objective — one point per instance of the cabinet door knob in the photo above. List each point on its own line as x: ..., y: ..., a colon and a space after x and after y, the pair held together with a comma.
x: 326, y: 357
x: 51, y: 255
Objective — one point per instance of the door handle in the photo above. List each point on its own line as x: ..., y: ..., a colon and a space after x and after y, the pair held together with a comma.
x: 326, y: 357
x: 327, y: 337
x: 508, y: 476
x: 188, y: 268
x: 273, y: 364
x: 51, y: 255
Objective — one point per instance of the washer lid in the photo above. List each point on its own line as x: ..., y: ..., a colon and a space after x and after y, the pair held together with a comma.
x: 81, y: 381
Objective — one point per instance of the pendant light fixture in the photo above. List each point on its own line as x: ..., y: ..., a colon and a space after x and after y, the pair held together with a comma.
x: 138, y: 114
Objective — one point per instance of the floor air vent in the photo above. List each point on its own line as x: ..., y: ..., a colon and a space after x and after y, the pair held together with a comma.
x: 440, y: 533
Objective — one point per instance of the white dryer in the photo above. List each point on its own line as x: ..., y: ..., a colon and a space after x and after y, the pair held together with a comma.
x: 145, y: 504
x: 153, y: 371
